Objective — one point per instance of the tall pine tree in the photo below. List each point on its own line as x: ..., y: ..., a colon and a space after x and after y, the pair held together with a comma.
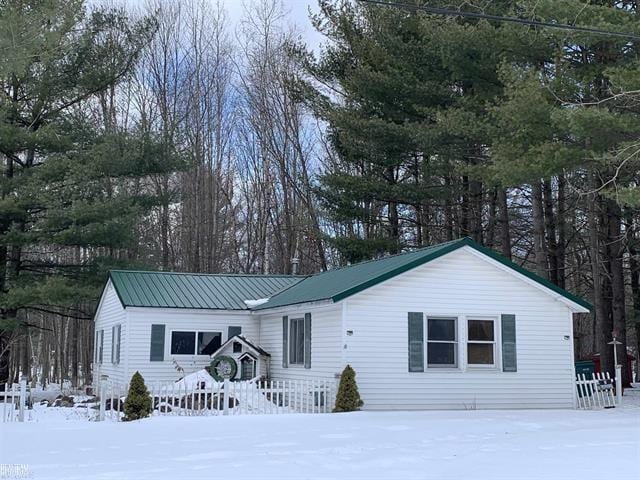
x: 68, y: 196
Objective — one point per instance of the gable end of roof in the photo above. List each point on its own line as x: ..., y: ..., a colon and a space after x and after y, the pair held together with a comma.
x: 309, y: 289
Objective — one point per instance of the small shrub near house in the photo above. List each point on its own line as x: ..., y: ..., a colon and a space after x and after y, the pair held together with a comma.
x: 348, y: 398
x: 138, y: 402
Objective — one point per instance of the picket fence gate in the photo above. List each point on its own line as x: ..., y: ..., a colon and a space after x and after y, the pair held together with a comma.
x: 14, y: 402
x: 595, y: 392
x: 226, y: 398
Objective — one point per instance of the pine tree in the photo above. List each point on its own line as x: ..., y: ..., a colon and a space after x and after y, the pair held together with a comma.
x: 568, y: 114
x: 348, y: 398
x: 408, y: 125
x: 138, y: 403
x: 69, y: 188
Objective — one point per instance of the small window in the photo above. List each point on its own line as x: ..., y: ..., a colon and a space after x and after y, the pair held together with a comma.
x: 209, y: 342
x: 481, y: 342
x: 115, y: 345
x: 99, y: 345
x: 183, y: 343
x: 442, y: 344
x: 237, y: 347
x: 296, y: 341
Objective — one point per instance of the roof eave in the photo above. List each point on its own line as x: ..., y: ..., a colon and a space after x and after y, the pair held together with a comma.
x: 276, y: 308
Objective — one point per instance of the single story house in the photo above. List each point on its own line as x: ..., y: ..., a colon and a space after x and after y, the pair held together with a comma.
x: 449, y: 326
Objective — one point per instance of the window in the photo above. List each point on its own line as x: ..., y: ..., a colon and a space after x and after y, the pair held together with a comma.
x: 116, y: 333
x: 442, y: 342
x: 99, y: 345
x: 209, y: 342
x: 184, y: 343
x: 237, y: 347
x: 481, y: 342
x: 296, y: 341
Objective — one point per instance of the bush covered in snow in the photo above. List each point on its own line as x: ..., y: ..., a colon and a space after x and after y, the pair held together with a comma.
x: 348, y: 398
x: 138, y: 402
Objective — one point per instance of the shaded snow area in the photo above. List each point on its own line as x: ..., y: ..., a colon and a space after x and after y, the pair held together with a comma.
x: 475, y: 444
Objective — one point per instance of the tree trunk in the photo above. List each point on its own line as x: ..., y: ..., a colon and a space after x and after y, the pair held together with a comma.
x: 538, y: 230
x: 503, y: 220
x: 550, y: 227
x: 616, y: 249
x: 562, y: 230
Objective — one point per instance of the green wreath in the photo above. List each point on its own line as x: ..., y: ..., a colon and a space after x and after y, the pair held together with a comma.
x: 223, y: 367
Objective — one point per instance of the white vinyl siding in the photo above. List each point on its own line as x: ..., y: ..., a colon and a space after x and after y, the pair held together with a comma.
x: 141, y: 319
x: 326, y: 341
x: 110, y: 317
x: 463, y: 286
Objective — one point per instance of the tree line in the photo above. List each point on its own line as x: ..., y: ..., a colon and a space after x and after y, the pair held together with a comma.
x: 160, y: 137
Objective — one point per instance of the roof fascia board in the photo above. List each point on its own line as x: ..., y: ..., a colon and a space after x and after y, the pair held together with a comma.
x: 115, y: 287
x: 101, y: 301
x: 293, y: 306
x: 397, y: 271
x: 183, y: 310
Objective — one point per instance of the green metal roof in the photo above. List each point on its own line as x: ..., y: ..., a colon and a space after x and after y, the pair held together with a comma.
x: 200, y: 291
x: 340, y: 283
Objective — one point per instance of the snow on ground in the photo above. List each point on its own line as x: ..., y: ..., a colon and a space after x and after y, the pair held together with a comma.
x: 474, y: 444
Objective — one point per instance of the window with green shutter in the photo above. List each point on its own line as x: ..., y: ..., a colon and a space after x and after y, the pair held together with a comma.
x: 115, y: 344
x: 157, y: 343
x: 285, y: 342
x: 416, y: 342
x: 307, y: 340
x: 509, y: 352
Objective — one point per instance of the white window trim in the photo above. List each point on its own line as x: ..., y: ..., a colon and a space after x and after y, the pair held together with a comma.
x: 183, y: 355
x: 456, y: 343
x: 462, y: 364
x: 496, y: 365
x: 289, y: 343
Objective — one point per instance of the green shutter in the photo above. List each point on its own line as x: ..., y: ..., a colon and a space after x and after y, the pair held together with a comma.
x: 233, y: 331
x: 119, y: 333
x: 307, y: 340
x: 509, y: 355
x: 101, y: 346
x: 416, y: 342
x: 285, y: 341
x: 157, y: 343
x: 113, y: 344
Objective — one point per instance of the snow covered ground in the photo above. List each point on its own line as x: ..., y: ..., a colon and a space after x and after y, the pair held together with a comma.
x: 473, y: 444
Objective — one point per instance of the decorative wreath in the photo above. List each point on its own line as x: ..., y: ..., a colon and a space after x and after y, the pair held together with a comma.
x: 223, y: 367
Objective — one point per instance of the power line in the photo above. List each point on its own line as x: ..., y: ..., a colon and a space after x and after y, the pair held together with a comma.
x: 521, y: 21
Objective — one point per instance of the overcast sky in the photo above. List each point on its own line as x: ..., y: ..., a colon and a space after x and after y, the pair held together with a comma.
x: 297, y: 14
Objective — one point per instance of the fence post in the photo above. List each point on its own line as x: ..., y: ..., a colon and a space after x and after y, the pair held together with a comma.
x: 23, y: 398
x: 103, y: 400
x: 226, y: 397
x: 619, y: 385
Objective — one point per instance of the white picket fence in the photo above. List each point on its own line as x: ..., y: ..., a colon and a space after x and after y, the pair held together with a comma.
x: 596, y: 392
x: 227, y: 398
x: 14, y: 402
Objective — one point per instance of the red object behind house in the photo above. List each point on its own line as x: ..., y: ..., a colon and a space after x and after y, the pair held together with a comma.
x: 596, y: 361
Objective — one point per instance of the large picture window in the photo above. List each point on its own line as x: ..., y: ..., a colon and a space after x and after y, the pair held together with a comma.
x: 481, y: 343
x: 442, y: 342
x: 195, y: 343
x: 296, y: 341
